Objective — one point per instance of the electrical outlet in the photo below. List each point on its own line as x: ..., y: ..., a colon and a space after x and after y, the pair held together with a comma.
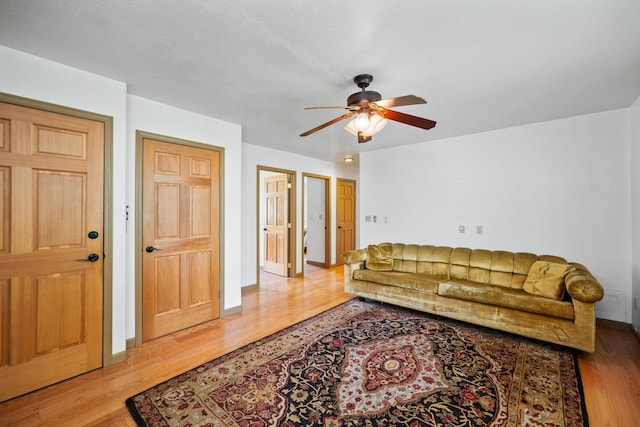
x: 479, y: 229
x: 461, y: 229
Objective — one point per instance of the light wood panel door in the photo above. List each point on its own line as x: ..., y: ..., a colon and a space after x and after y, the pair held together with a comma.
x: 276, y: 232
x: 181, y: 237
x: 345, y: 217
x: 51, y: 247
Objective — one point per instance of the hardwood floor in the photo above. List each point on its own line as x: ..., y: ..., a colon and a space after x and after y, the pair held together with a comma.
x: 611, y: 375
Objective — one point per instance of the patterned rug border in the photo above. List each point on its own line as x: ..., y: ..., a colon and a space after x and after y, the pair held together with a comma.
x: 134, y: 411
x: 585, y: 415
x: 130, y: 404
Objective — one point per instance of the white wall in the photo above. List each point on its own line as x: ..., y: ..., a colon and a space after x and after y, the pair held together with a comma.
x: 560, y: 187
x: 36, y: 78
x: 635, y: 211
x: 254, y: 155
x: 149, y: 116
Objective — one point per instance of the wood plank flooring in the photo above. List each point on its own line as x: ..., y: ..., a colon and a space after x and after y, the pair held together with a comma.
x: 611, y: 375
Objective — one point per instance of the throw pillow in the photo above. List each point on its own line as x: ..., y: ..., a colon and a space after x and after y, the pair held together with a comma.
x: 380, y: 257
x: 546, y: 279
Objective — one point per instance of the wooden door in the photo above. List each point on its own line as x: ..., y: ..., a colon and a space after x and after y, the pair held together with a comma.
x: 345, y: 217
x: 276, y: 232
x: 51, y: 248
x: 181, y: 237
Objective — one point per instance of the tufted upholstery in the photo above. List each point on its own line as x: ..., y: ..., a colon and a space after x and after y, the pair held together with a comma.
x: 499, y: 268
x: 483, y: 287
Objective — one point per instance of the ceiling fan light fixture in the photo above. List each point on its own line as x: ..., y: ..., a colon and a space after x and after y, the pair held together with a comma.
x: 351, y: 128
x: 376, y: 124
x: 361, y: 122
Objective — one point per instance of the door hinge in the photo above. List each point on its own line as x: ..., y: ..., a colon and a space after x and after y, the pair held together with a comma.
x: 289, y: 185
x: 288, y: 225
x: 288, y: 265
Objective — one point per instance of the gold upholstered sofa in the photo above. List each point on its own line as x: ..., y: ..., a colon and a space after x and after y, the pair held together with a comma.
x: 537, y: 296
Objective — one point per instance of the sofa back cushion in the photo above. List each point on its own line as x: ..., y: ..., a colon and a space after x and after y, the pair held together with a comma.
x: 459, y: 263
x: 480, y: 265
x: 405, y: 257
x: 522, y: 262
x: 425, y: 259
x: 501, y: 268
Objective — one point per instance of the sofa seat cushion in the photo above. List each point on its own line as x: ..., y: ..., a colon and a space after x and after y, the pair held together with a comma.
x: 501, y: 296
x: 400, y: 279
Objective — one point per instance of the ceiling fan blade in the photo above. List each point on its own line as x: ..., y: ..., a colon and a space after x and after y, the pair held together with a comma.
x: 329, y: 123
x: 400, y: 101
x: 408, y: 119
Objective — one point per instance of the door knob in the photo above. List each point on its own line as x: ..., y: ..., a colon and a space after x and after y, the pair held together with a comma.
x: 91, y: 258
x: 93, y: 235
x: 150, y: 249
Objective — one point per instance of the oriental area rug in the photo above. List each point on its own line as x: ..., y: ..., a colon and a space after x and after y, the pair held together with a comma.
x: 366, y: 364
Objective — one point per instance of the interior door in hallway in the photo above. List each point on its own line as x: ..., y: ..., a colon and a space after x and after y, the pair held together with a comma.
x: 345, y: 217
x: 181, y: 237
x: 51, y: 247
x: 276, y: 231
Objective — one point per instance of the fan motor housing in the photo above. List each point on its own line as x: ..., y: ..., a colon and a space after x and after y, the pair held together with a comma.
x: 365, y: 95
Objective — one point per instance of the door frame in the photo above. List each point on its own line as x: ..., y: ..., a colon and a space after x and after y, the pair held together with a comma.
x: 291, y: 253
x: 140, y: 136
x: 107, y: 211
x: 327, y: 215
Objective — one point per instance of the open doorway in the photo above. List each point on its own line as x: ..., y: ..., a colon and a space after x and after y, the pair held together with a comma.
x: 275, y: 223
x: 316, y: 227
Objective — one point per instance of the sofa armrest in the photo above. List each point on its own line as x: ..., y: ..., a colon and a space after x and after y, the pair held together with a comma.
x: 353, y: 260
x: 582, y: 286
x: 354, y: 257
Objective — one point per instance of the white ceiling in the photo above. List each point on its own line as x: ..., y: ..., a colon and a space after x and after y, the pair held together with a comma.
x: 481, y: 65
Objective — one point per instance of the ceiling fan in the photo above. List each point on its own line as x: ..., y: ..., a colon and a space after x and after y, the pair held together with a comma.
x: 372, y: 112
